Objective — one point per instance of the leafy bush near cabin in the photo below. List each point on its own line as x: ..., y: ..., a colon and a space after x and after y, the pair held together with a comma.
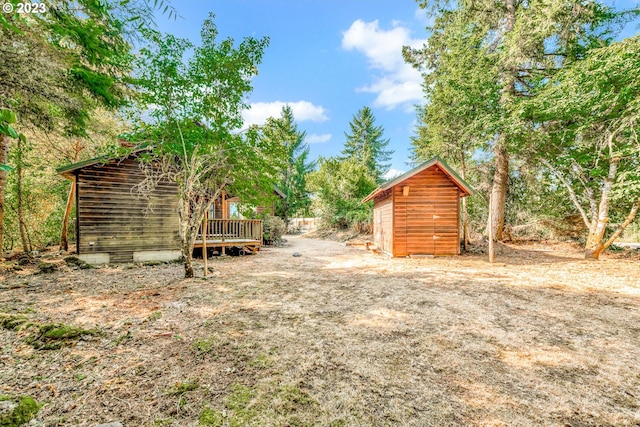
x: 273, y: 230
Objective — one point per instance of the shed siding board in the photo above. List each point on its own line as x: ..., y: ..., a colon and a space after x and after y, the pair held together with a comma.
x: 383, y: 218
x: 117, y: 220
x: 431, y: 209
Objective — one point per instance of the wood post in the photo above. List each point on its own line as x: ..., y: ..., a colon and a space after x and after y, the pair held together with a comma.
x: 225, y: 215
x: 491, y: 248
x: 205, y: 226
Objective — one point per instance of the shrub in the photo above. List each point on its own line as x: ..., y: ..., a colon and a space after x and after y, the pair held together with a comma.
x: 273, y: 229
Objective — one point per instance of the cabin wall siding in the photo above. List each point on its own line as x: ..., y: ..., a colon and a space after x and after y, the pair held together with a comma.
x: 117, y: 220
x: 426, y: 221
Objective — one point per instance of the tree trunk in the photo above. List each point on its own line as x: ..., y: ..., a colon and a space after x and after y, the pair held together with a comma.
x: 499, y: 191
x: 595, y: 245
x: 188, y: 261
x: 465, y: 216
x: 64, y: 242
x: 26, y: 246
x: 184, y: 210
x: 4, y: 158
x: 501, y: 173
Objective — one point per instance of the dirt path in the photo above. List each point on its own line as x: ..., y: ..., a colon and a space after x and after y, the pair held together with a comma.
x: 335, y: 337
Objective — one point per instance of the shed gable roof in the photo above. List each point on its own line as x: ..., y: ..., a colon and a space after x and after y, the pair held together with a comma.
x: 68, y: 170
x: 465, y: 188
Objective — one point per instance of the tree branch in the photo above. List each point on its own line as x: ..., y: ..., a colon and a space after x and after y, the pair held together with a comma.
x: 572, y: 193
x: 621, y: 227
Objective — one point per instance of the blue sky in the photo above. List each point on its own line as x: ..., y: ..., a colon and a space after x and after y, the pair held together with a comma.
x: 327, y: 59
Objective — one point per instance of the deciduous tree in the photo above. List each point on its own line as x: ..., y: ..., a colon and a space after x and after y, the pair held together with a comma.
x: 587, y: 137
x: 189, y: 111
x: 339, y: 185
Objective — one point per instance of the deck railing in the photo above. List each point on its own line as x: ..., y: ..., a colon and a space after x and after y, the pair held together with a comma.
x: 222, y: 230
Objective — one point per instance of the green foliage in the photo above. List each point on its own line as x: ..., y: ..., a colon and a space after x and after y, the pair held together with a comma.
x: 340, y: 184
x: 339, y: 187
x: 79, y: 57
x: 588, y: 115
x: 482, y: 64
x: 273, y: 228
x: 43, y: 196
x: 365, y: 144
x: 188, y: 111
x: 211, y: 417
x: 204, y: 346
x: 183, y: 387
x: 8, y: 118
x: 260, y: 404
x: 25, y: 409
x: 12, y: 321
x: 154, y: 316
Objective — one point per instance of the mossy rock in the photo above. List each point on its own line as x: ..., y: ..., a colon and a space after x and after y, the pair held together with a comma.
x: 16, y: 411
x: 46, y: 267
x: 12, y: 322
x: 75, y: 261
x: 57, y: 335
x: 24, y: 259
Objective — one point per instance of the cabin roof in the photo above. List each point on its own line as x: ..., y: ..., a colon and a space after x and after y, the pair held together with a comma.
x: 279, y: 192
x: 68, y: 170
x: 465, y: 188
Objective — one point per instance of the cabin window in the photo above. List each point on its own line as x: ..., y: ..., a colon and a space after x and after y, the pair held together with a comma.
x: 234, y: 212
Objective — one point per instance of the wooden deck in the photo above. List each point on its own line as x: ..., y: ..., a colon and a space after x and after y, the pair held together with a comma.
x: 223, y: 233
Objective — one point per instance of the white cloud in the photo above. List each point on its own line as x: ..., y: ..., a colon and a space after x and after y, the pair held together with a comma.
x: 302, y: 111
x: 392, y: 173
x: 314, y: 138
x: 398, y: 84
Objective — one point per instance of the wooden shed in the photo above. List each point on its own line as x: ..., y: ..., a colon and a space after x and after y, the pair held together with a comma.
x: 418, y: 213
x: 115, y: 225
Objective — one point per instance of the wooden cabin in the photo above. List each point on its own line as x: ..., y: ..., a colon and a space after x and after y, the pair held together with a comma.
x: 115, y: 225
x: 418, y: 213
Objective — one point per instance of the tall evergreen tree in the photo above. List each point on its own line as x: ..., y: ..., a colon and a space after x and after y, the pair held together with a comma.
x: 525, y: 42
x: 294, y: 164
x: 366, y: 145
x: 58, y: 66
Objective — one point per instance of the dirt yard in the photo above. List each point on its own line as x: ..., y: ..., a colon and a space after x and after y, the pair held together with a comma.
x: 335, y: 337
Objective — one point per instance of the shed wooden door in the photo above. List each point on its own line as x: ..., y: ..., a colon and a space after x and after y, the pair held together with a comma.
x: 417, y: 226
x: 383, y: 225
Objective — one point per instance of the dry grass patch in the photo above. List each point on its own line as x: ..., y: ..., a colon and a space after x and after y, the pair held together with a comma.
x: 336, y: 337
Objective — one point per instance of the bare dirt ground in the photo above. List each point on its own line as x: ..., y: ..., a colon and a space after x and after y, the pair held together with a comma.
x: 335, y: 337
